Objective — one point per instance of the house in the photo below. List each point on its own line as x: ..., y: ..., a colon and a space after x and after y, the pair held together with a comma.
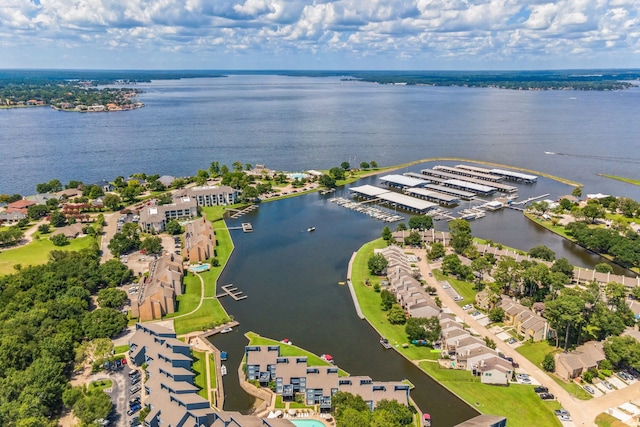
x: 261, y: 171
x: 428, y: 236
x: 484, y: 421
x: 41, y: 199
x: 526, y: 323
x: 575, y: 363
x: 471, y: 358
x: 171, y: 393
x: 69, y: 193
x: 154, y: 218
x: 70, y: 231
x: 10, y: 218
x: 293, y: 375
x: 106, y: 186
x: 495, y: 370
x: 167, y: 180
x: 158, y: 291
x: 21, y: 206
x: 199, y: 240
x: 213, y: 195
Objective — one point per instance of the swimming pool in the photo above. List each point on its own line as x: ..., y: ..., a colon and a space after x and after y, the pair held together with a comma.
x: 307, y: 423
x: 297, y: 175
x: 199, y: 268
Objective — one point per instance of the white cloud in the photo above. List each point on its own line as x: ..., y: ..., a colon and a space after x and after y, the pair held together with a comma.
x: 422, y: 31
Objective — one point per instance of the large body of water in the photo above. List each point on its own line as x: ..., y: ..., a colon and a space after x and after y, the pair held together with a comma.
x: 296, y: 123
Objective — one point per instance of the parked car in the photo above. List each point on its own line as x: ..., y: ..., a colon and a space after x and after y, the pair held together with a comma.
x: 608, y: 385
x: 565, y: 418
x: 458, y: 298
x: 525, y: 381
x: 560, y: 412
x: 547, y: 396
x: 541, y: 389
x: 512, y: 341
x: 134, y: 401
x: 522, y: 376
x: 134, y: 409
x: 467, y: 307
x: 589, y: 389
x: 134, y: 373
x: 135, y: 380
x: 134, y: 421
x: 136, y: 388
x: 476, y: 313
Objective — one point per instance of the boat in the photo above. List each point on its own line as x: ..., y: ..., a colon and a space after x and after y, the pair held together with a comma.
x: 223, y: 355
x: 226, y: 330
x: 223, y: 370
x: 385, y: 343
x: 426, y: 420
x: 549, y: 152
x: 310, y: 229
x: 327, y: 358
x: 286, y: 341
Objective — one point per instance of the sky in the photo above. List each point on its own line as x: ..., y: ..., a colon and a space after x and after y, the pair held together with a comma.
x: 320, y: 34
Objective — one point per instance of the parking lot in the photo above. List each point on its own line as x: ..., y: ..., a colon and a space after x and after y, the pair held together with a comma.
x: 449, y: 290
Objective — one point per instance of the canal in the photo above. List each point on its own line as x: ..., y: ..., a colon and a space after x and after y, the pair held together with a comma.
x: 291, y: 279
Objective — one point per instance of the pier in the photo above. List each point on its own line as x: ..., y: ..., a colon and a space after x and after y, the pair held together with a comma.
x: 231, y: 291
x: 246, y: 227
x: 237, y: 213
x: 367, y: 210
x: 530, y: 199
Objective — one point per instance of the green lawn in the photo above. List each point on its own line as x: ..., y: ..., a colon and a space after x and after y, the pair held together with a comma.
x: 211, y: 313
x: 464, y: 289
x: 621, y: 178
x: 290, y: 350
x: 121, y: 349
x: 535, y: 352
x: 37, y: 252
x: 606, y: 420
x: 199, y: 366
x: 212, y: 375
x: 518, y: 402
x: 100, y: 385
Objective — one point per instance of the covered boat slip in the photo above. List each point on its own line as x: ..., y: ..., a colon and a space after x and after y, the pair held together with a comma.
x: 509, y: 175
x: 391, y: 198
x: 451, y: 177
x: 465, y: 195
x: 433, y: 196
x: 432, y: 179
x: 470, y: 173
x: 402, y: 181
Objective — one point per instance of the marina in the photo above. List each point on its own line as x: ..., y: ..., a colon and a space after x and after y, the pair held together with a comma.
x: 433, y: 196
x: 367, y: 210
x: 485, y: 176
x: 467, y: 180
x: 396, y: 200
x: 507, y: 175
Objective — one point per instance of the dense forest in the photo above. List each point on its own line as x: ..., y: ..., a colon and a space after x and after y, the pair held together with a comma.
x: 44, y: 317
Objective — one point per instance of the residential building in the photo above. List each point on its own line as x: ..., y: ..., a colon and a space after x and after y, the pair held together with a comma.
x: 213, y: 195
x: 527, y: 324
x: 157, y: 292
x: 105, y: 185
x: 167, y: 180
x: 495, y: 370
x: 261, y: 171
x: 575, y: 363
x: 293, y: 375
x: 21, y: 206
x: 484, y: 421
x: 170, y: 391
x: 199, y: 240
x: 10, y: 218
x: 154, y: 218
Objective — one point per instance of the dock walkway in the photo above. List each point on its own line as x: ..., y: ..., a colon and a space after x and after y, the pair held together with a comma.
x: 231, y: 291
x: 239, y: 212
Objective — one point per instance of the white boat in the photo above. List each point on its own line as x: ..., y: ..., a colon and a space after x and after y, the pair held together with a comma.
x: 226, y: 330
x: 223, y: 370
x: 549, y: 152
x: 310, y: 229
x: 385, y: 343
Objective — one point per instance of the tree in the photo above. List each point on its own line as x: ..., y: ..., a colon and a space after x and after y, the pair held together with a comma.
x: 563, y: 266
x: 577, y: 192
x: 481, y: 265
x: 401, y: 226
x: 377, y: 263
x: 549, y: 363
x: 103, y: 323
x: 327, y: 181
x: 400, y: 414
x: 57, y: 219
x: 386, y: 300
x: 414, y: 330
x: 623, y: 351
x: 249, y: 193
x: 341, y: 401
x: 201, y: 177
x: 564, y: 312
x: 374, y: 164
x: 461, y: 237
x: 542, y: 252
x: 214, y: 169
x: 413, y: 239
x: 337, y: 173
x: 112, y: 201
x: 152, y: 245
x: 111, y: 297
x: 566, y: 204
x: 44, y: 228
x: 421, y: 222
x: 173, y: 227
x: 451, y: 264
x: 603, y: 267
x: 437, y: 251
x: 396, y: 315
x: 93, y: 405
x: 364, y: 165
x: 35, y: 212
x: 345, y: 166
x: 496, y: 314
x: 386, y: 234
x: 114, y: 273
x: 59, y: 240
x: 592, y: 211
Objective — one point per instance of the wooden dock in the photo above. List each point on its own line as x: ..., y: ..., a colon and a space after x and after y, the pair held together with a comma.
x: 246, y: 227
x: 232, y: 291
x: 237, y: 213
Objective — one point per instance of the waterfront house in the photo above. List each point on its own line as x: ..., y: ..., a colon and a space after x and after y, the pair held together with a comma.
x: 261, y: 171
x: 213, y: 195
x: 293, y: 375
x: 495, y: 370
x: 158, y: 291
x: 575, y: 363
x: 10, y: 218
x: 171, y: 394
x: 167, y: 180
x: 154, y: 218
x: 199, y: 240
x: 484, y: 421
x: 105, y: 185
x: 21, y: 206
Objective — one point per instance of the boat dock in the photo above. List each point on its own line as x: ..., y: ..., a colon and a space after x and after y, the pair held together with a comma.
x: 246, y: 227
x: 327, y: 191
x: 530, y: 199
x: 237, y: 213
x: 231, y: 291
x: 367, y: 210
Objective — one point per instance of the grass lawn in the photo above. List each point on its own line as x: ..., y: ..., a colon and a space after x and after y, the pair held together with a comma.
x: 518, y: 402
x: 121, y: 349
x: 606, y: 420
x: 212, y: 375
x: 200, y: 368
x: 535, y: 352
x: 290, y: 350
x: 37, y: 253
x: 621, y: 178
x: 465, y: 289
x: 100, y: 385
x: 279, y: 403
x: 211, y: 312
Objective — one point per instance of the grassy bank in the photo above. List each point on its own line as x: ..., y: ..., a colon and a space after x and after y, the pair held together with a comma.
x: 37, y: 253
x: 519, y: 403
x: 621, y: 178
x: 290, y: 350
x: 199, y: 366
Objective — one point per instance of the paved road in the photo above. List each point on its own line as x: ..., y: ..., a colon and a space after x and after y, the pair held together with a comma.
x: 580, y: 416
x: 109, y: 230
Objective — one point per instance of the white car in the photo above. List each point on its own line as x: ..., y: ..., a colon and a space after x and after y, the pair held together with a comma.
x: 467, y: 307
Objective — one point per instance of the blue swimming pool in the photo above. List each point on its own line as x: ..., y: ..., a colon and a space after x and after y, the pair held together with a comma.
x: 297, y: 175
x: 307, y: 423
x: 199, y: 268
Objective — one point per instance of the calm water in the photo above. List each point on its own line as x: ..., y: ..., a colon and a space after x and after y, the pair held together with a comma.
x: 291, y: 276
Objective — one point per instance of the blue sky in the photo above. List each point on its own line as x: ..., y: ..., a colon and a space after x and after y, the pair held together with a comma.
x: 320, y: 34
